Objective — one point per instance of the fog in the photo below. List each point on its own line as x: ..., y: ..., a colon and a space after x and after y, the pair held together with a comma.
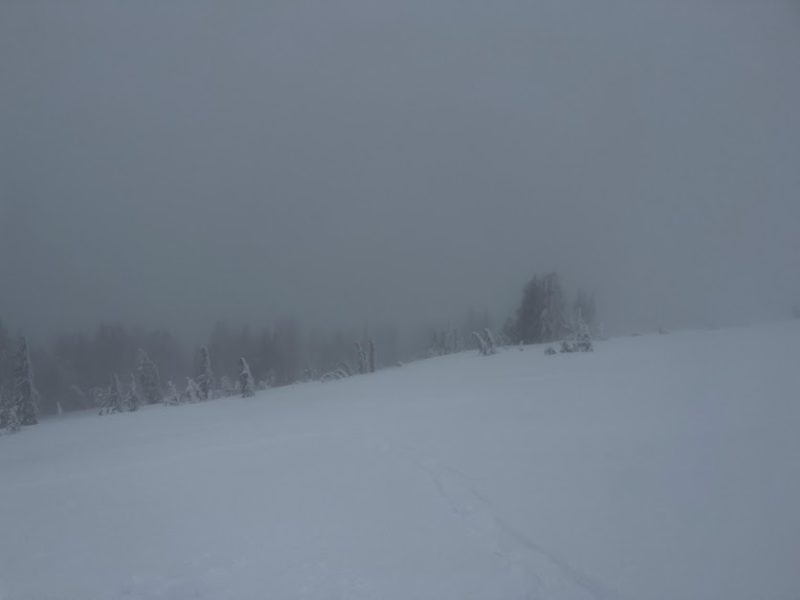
x: 171, y: 164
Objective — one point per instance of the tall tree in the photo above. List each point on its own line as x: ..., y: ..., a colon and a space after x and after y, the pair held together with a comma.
x: 133, y: 400
x: 246, y: 384
x: 192, y: 392
x: 540, y: 316
x: 585, y: 309
x: 205, y: 376
x: 113, y: 401
x: 372, y: 356
x: 172, y: 397
x: 148, y: 378
x: 361, y: 357
x: 528, y: 323
x: 25, y: 396
x: 8, y: 412
x: 553, y: 321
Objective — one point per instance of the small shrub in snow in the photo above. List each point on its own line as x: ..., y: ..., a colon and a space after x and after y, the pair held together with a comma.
x: 550, y: 351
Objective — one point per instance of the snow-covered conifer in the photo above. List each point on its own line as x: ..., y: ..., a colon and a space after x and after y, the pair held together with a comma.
x: 483, y: 348
x: 192, y: 392
x: 113, y: 397
x: 205, y: 376
x: 372, y: 356
x: 173, y: 397
x: 491, y: 345
x: 133, y: 398
x: 552, y: 315
x: 246, y: 384
x: 8, y: 413
x: 583, y: 336
x: 148, y: 379
x: 24, y: 394
x: 361, y: 358
x: 227, y: 386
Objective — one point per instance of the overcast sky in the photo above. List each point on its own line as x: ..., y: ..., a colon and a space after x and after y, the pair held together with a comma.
x: 171, y: 163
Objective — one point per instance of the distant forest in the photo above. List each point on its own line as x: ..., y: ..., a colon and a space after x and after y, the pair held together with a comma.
x: 117, y: 368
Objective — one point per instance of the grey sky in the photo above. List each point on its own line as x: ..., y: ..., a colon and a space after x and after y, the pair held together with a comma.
x: 169, y: 163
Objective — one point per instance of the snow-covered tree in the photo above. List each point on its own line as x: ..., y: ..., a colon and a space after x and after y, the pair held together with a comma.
x: 585, y: 305
x: 133, y: 398
x: 552, y: 320
x: 192, y: 392
x: 8, y: 413
x: 113, y: 398
x: 483, y: 347
x: 205, y: 376
x: 172, y: 397
x: 246, y: 383
x: 372, y: 356
x: 540, y: 316
x: 148, y: 378
x: 491, y: 344
x: 24, y: 394
x: 227, y: 386
x: 361, y: 358
x: 583, y: 336
x: 454, y: 341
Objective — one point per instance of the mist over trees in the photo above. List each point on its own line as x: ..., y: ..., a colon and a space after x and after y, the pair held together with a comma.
x: 118, y: 368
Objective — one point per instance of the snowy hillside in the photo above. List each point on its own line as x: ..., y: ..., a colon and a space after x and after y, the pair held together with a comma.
x: 657, y: 467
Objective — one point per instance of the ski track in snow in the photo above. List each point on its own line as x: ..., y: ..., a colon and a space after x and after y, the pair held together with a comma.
x: 551, y: 576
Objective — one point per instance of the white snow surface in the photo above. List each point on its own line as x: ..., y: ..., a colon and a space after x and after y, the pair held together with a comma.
x: 657, y: 467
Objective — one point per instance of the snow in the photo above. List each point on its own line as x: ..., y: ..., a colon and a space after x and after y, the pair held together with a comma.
x: 656, y: 467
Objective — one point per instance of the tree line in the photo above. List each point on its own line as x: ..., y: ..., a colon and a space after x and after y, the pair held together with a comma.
x: 118, y: 369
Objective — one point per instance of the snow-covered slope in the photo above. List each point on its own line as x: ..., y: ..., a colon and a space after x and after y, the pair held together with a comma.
x: 657, y: 467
